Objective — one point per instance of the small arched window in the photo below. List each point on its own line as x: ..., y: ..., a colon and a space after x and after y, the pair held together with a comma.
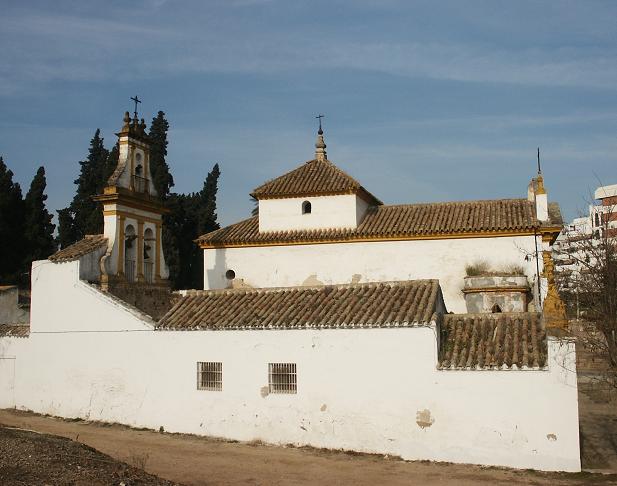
x: 496, y: 309
x: 306, y: 207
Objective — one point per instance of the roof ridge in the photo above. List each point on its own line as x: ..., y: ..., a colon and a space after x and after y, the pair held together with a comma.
x: 463, y: 201
x: 294, y: 288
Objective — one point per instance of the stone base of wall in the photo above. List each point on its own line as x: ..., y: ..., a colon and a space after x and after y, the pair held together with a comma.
x: 152, y: 299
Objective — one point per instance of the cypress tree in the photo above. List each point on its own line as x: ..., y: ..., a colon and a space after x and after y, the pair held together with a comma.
x: 110, y: 164
x: 67, y: 233
x: 12, y: 241
x: 161, y: 177
x: 39, y: 230
x: 191, y: 216
x: 84, y: 216
x: 207, y: 202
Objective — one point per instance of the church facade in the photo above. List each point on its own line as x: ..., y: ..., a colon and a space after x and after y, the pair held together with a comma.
x: 326, y: 320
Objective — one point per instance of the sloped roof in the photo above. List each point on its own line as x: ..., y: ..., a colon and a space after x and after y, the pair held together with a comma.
x: 387, y: 304
x: 14, y: 330
x: 315, y: 177
x: 396, y: 222
x: 493, y: 341
x: 75, y: 251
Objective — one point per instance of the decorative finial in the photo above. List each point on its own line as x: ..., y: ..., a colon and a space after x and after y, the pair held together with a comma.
x: 127, y: 121
x: 320, y: 145
x: 540, y: 187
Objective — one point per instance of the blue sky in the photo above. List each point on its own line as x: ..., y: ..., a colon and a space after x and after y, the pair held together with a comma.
x: 424, y: 100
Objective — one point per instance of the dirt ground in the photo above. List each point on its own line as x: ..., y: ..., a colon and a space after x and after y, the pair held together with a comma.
x: 195, y: 460
x: 30, y: 458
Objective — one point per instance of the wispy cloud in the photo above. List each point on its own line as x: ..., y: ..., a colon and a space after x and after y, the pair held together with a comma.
x: 39, y: 47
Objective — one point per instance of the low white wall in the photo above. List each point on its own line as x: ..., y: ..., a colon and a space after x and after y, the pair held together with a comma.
x: 292, y: 265
x: 372, y: 390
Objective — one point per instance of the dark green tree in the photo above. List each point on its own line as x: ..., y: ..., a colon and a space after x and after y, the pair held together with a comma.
x: 12, y: 241
x: 206, y: 218
x: 110, y: 164
x: 191, y: 216
x: 67, y: 233
x: 161, y: 177
x: 84, y: 216
x: 39, y: 230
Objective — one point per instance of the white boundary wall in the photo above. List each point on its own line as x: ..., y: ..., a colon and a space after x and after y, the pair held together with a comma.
x: 338, y: 263
x: 371, y: 390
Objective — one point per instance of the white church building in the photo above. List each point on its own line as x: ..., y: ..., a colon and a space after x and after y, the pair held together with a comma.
x: 328, y: 319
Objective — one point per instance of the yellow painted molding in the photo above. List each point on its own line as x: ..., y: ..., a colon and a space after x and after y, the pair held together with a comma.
x: 121, y: 246
x: 157, y: 260
x: 124, y: 214
x: 522, y: 290
x: 477, y: 234
x: 140, y: 250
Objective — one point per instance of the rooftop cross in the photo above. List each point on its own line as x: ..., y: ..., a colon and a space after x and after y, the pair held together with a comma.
x: 320, y: 145
x: 320, y: 117
x: 539, y: 169
x: 136, y: 100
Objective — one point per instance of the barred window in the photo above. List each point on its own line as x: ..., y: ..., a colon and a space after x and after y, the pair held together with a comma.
x: 209, y: 376
x: 282, y: 378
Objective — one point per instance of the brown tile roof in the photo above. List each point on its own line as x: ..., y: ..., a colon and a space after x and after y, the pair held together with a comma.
x: 493, y: 341
x: 315, y: 177
x: 14, y: 330
x: 75, y: 251
x: 387, y: 304
x: 403, y: 221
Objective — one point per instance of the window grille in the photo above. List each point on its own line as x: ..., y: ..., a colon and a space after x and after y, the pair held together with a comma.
x: 282, y: 378
x: 209, y: 376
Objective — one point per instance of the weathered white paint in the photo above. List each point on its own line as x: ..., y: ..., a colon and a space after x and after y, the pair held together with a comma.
x: 372, y: 390
x: 7, y: 380
x: 340, y: 211
x: 445, y: 259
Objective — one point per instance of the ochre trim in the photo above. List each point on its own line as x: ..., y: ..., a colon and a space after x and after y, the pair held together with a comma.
x: 121, y: 243
x: 522, y: 290
x: 115, y: 195
x: 448, y: 236
x: 157, y: 260
x: 126, y: 214
x: 140, y: 250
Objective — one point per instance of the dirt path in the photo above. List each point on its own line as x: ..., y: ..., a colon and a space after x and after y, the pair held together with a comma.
x: 196, y: 460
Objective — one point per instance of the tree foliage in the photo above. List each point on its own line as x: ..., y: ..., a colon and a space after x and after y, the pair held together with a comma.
x: 11, y: 227
x: 39, y: 230
x: 161, y: 177
x: 26, y: 230
x: 84, y: 216
x: 587, y: 281
x: 191, y: 216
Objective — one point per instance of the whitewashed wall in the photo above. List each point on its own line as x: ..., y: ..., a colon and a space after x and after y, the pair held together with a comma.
x: 292, y: 265
x: 372, y: 390
x: 341, y: 211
